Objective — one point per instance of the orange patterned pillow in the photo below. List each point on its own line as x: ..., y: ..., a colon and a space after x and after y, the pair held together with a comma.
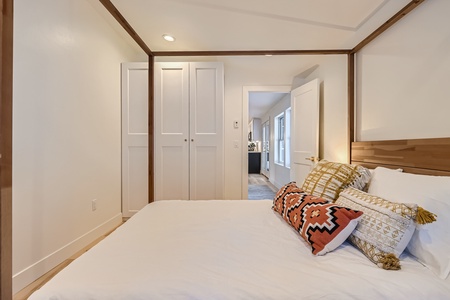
x: 288, y: 191
x: 325, y: 226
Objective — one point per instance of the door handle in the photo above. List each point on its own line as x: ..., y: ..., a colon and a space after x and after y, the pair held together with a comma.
x: 192, y: 140
x: 313, y: 159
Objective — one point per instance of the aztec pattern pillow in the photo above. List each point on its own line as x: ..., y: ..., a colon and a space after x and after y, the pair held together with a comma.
x: 328, y: 179
x: 287, y: 191
x: 325, y: 226
x: 385, y: 228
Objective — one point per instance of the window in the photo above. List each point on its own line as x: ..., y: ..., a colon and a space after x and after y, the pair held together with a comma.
x: 287, y: 160
x: 283, y: 138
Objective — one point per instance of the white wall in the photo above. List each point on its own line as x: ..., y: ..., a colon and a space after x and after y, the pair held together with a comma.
x: 278, y: 71
x: 279, y: 175
x: 66, y: 131
x: 403, y: 78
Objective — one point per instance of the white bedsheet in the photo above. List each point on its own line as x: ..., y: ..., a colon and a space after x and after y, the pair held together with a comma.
x: 228, y: 250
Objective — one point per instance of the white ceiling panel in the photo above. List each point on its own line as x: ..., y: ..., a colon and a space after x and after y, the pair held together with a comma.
x: 213, y: 25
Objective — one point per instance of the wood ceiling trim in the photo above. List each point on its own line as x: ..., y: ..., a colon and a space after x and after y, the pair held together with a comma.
x: 351, y: 102
x: 6, y: 101
x: 394, y: 19
x: 252, y: 52
x: 151, y: 128
x: 124, y: 23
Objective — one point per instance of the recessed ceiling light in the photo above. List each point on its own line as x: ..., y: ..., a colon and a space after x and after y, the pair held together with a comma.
x: 268, y: 55
x: 168, y: 38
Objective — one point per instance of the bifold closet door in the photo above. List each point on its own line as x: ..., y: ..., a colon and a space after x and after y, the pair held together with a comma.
x: 206, y: 130
x: 134, y: 137
x: 188, y: 131
x: 171, y: 131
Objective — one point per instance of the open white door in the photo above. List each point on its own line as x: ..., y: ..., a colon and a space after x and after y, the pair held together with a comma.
x: 304, y: 129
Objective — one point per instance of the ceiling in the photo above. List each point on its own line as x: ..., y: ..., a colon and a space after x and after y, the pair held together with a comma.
x: 217, y: 25
x: 214, y: 25
x: 260, y: 102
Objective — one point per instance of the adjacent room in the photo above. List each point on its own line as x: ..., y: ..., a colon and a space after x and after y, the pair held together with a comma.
x: 134, y: 132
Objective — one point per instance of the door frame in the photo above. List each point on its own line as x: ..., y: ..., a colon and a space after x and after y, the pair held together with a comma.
x: 264, y: 153
x: 245, y: 96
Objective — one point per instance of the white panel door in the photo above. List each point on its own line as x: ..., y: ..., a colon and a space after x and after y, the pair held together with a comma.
x: 206, y: 130
x: 171, y: 131
x: 305, y: 120
x: 134, y: 137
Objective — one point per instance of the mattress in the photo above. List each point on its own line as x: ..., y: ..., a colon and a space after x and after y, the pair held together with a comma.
x: 234, y: 249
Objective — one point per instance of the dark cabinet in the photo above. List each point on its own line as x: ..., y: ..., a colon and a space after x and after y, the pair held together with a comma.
x: 254, y: 162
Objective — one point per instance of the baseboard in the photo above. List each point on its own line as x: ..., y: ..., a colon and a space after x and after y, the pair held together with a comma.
x: 33, y: 272
x: 278, y: 185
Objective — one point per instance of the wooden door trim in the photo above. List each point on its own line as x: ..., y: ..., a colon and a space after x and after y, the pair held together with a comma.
x: 151, y: 128
x: 6, y: 85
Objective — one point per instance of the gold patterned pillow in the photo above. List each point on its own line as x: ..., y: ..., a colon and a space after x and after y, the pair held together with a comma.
x: 385, y: 228
x: 328, y: 179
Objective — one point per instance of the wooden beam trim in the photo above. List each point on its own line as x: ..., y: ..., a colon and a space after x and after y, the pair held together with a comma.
x: 252, y: 52
x: 351, y: 102
x: 151, y: 136
x: 124, y: 23
x: 394, y: 19
x: 6, y: 86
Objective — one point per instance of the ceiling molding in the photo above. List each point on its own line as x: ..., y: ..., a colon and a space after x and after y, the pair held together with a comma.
x: 273, y: 16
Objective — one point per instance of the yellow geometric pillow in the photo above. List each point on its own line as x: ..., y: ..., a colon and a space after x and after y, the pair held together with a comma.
x: 328, y: 179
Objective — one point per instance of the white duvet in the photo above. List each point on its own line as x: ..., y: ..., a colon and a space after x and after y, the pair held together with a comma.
x: 228, y: 250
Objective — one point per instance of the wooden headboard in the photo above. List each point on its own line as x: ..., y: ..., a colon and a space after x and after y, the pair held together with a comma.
x: 419, y: 156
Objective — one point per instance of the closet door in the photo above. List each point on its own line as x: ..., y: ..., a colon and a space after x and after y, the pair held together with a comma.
x: 206, y: 130
x: 134, y: 137
x: 171, y: 131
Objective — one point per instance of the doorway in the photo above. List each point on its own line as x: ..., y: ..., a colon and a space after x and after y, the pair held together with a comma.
x: 256, y: 104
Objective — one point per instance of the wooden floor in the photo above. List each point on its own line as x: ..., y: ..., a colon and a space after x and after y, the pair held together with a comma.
x: 260, y: 180
x: 28, y: 290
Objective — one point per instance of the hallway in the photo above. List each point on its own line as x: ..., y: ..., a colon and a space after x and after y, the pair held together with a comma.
x: 259, y: 187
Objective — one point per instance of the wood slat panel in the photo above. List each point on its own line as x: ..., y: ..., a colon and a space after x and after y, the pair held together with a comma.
x: 421, y: 156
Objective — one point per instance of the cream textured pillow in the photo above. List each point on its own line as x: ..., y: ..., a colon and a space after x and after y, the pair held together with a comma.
x: 385, y: 228
x: 430, y: 243
x: 328, y: 179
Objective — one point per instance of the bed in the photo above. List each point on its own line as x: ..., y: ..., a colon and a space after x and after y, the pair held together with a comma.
x: 234, y: 249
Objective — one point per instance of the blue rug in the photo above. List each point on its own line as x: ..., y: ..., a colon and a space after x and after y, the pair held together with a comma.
x: 258, y: 192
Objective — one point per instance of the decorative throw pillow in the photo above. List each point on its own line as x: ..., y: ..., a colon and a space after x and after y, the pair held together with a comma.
x: 328, y: 179
x: 385, y: 228
x: 287, y: 191
x: 429, y: 244
x: 325, y: 226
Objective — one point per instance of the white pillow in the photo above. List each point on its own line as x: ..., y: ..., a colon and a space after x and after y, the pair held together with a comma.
x: 431, y: 242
